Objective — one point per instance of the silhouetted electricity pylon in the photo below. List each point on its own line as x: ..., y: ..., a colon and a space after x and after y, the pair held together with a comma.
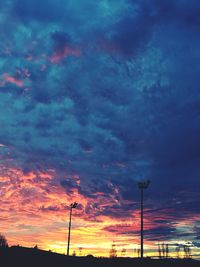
x: 72, y: 206
x: 142, y: 185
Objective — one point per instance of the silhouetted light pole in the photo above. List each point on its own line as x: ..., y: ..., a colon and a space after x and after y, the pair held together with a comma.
x: 142, y: 185
x: 72, y: 206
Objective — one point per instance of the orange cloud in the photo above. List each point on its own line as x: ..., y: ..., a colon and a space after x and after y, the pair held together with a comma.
x: 35, y: 210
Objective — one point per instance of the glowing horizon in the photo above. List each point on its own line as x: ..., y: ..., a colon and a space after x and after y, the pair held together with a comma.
x: 41, y: 217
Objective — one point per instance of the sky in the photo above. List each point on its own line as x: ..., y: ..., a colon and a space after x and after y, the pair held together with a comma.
x: 94, y: 97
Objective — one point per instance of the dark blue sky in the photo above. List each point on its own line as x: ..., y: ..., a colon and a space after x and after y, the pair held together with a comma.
x: 107, y: 92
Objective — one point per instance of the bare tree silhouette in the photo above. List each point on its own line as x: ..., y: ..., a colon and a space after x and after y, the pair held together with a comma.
x: 3, y: 241
x: 187, y: 252
x: 123, y: 252
x: 80, y: 251
x: 167, y: 250
x: 113, y: 252
x: 138, y: 252
x: 159, y: 251
x: 163, y: 250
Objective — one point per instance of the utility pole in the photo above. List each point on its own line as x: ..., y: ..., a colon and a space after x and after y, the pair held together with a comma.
x: 142, y: 185
x: 72, y: 206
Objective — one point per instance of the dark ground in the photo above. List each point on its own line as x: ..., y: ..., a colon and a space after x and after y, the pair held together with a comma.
x: 30, y: 257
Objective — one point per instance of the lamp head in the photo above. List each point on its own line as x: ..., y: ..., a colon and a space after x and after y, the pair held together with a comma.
x: 144, y: 184
x: 74, y: 205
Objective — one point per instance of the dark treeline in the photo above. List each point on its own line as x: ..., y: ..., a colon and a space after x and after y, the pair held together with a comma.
x: 33, y: 257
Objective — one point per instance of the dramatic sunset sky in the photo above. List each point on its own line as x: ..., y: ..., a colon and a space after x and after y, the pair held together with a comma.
x: 95, y: 96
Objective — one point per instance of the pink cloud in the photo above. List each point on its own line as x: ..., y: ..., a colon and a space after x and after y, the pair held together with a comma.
x: 13, y: 80
x: 59, y: 55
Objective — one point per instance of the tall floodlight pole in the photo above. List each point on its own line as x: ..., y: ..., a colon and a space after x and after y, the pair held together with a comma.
x: 142, y: 185
x: 72, y: 206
